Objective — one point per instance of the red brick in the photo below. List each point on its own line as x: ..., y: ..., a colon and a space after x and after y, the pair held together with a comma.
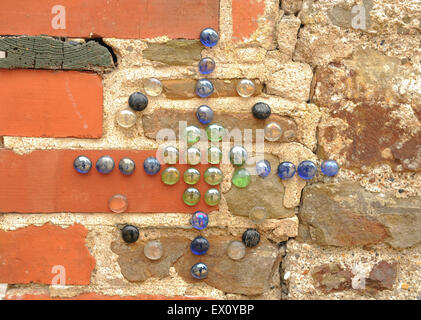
x: 41, y: 103
x: 245, y: 14
x: 97, y: 296
x: 28, y: 255
x: 45, y: 181
x: 112, y: 18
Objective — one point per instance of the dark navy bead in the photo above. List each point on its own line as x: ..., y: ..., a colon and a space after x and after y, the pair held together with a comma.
x: 261, y: 110
x: 306, y: 169
x: 151, y: 165
x: 204, y: 114
x: 251, y: 238
x: 329, y: 168
x: 199, y: 271
x: 199, y: 245
x: 82, y: 164
x: 199, y: 220
x: 209, y: 37
x: 138, y: 101
x: 263, y: 168
x: 130, y: 234
x: 126, y: 166
x: 286, y: 170
x: 204, y: 88
x: 105, y: 164
x: 206, y: 65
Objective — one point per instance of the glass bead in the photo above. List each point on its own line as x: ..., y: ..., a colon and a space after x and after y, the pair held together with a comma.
x: 193, y: 156
x: 118, y: 203
x: 191, y: 196
x: 126, y: 166
x: 209, y: 37
x: 241, y: 178
x: 258, y: 214
x: 191, y: 176
x: 206, y: 65
x: 126, y: 118
x: 170, y: 176
x: 153, y: 250
x: 191, y: 134
x: 138, y: 101
x: 130, y: 233
x: 263, y: 168
x: 246, y: 88
x: 286, y: 170
x: 105, y: 164
x: 199, y: 245
x: 273, y: 131
x: 236, y: 250
x: 153, y: 87
x: 329, y: 168
x: 215, y: 132
x: 204, y: 88
x: 204, y: 114
x: 82, y: 164
x: 199, y: 271
x: 251, y: 238
x: 213, y: 176
x: 306, y: 169
x: 214, y: 155
x: 212, y: 197
x: 151, y: 165
x: 199, y: 220
x: 170, y: 155
x: 261, y: 110
x: 238, y: 155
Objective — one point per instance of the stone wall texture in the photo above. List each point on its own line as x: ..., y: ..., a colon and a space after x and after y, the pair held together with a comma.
x: 342, y: 78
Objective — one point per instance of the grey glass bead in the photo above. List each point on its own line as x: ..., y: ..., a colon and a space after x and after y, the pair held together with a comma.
x: 82, y: 164
x: 126, y: 166
x: 251, y: 238
x: 105, y: 164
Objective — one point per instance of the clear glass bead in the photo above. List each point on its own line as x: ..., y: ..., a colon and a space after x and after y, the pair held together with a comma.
x: 236, y: 250
x: 170, y: 155
x: 126, y: 118
x: 273, y: 131
x: 118, y: 203
x: 246, y: 88
x: 153, y: 87
x: 238, y: 155
x: 258, y: 214
x: 153, y: 250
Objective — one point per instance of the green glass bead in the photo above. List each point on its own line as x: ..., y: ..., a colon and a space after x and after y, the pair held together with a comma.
x: 191, y: 134
x: 191, y: 176
x: 241, y: 178
x: 213, y: 176
x: 215, y: 132
x: 170, y: 176
x: 214, y: 155
x: 191, y: 196
x: 212, y: 197
x: 193, y: 156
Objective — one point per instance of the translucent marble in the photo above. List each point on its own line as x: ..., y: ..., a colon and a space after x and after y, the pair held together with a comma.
x: 105, y: 164
x: 126, y: 166
x: 130, y: 233
x: 246, y: 88
x: 170, y: 176
x: 206, y: 65
x: 204, y: 88
x: 153, y: 87
x: 191, y: 176
x: 199, y: 220
x: 258, y: 214
x: 329, y: 168
x: 286, y: 170
x: 251, y: 238
x: 214, y: 155
x: 170, y: 155
x: 212, y: 197
x: 153, y: 250
x: 307, y: 169
x: 241, y: 178
x: 261, y: 110
x: 204, y: 114
x: 273, y: 131
x: 151, y: 165
x: 199, y: 245
x: 238, y: 155
x: 263, y: 168
x: 215, y: 132
x: 138, y: 101
x: 82, y: 164
x: 126, y: 118
x: 193, y: 156
x: 236, y: 250
x: 213, y: 176
x: 191, y: 196
x: 209, y: 37
x: 191, y: 134
x: 118, y: 203
x: 199, y: 271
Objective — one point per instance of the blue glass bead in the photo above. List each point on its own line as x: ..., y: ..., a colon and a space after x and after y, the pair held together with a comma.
x: 82, y: 164
x: 206, y: 65
x: 204, y: 88
x: 105, y: 164
x: 199, y: 245
x: 199, y: 220
x: 286, y: 170
x: 263, y: 168
x: 199, y: 271
x: 330, y: 167
x: 209, y: 37
x: 204, y: 114
x: 151, y: 165
x: 126, y: 166
x: 306, y: 169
